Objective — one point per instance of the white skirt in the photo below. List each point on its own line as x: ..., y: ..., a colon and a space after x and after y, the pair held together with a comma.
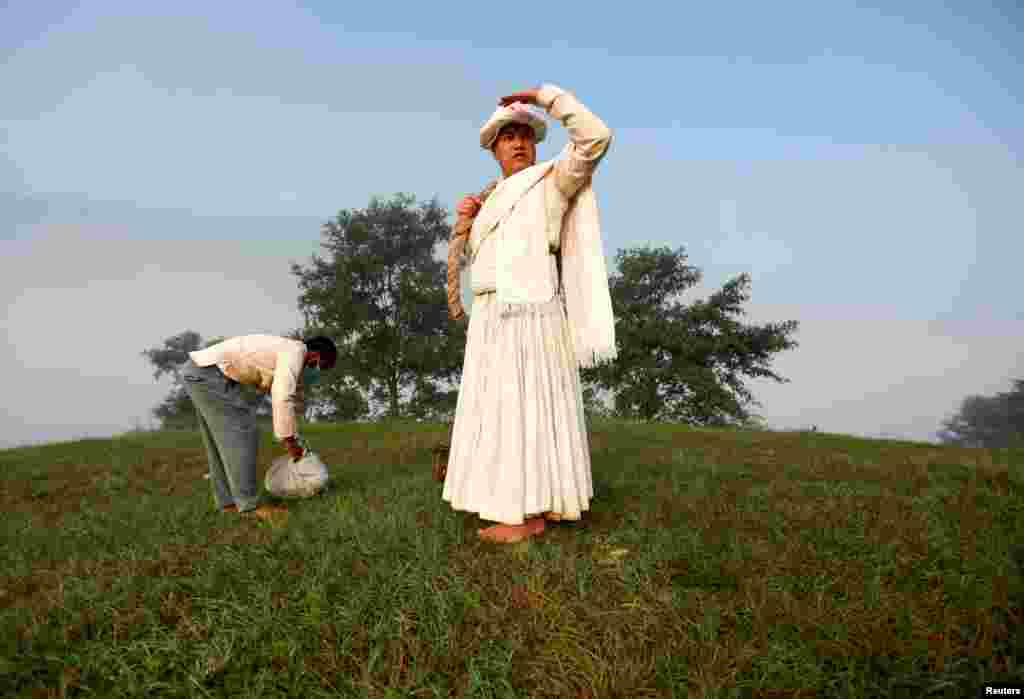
x: 519, y: 443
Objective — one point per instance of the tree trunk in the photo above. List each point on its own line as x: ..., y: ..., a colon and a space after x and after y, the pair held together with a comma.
x: 393, y: 391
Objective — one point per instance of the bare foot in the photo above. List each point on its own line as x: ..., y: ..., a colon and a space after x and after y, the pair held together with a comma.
x: 504, y: 533
x: 512, y: 533
x: 229, y: 508
x: 268, y: 511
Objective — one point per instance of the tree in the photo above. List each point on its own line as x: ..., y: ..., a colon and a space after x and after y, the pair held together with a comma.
x: 988, y: 421
x: 176, y: 410
x: 337, y: 400
x: 593, y: 403
x: 678, y: 362
x: 381, y: 295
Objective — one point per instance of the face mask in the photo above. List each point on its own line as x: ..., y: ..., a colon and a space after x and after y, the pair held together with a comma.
x: 311, y: 375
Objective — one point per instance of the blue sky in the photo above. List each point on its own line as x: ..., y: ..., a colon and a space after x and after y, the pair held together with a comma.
x: 162, y: 166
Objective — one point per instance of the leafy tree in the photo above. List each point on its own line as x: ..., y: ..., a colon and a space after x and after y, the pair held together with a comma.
x: 337, y: 400
x: 176, y: 410
x: 988, y: 421
x: 430, y: 402
x: 380, y: 294
x: 593, y: 403
x: 757, y: 423
x: 679, y: 362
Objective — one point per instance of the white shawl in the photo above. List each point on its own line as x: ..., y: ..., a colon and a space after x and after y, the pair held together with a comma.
x: 588, y: 301
x: 524, y: 271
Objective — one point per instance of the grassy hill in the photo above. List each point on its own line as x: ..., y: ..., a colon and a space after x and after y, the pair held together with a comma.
x: 712, y: 564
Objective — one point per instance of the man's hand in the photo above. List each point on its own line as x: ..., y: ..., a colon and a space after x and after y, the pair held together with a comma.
x: 292, y: 445
x: 525, y: 96
x: 468, y: 206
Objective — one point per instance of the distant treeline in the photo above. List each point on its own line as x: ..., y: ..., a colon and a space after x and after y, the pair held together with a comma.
x: 988, y: 421
x: 380, y: 293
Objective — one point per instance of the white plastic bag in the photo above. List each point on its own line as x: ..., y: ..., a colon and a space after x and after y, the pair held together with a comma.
x: 296, y: 479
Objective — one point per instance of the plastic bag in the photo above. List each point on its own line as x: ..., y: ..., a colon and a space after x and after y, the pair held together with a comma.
x: 296, y: 479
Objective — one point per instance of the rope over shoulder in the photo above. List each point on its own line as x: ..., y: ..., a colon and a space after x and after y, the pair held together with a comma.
x: 456, y: 257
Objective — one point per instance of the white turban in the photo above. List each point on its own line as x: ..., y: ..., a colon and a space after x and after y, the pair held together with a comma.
x: 515, y: 113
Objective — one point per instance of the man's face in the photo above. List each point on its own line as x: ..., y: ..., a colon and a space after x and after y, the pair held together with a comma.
x: 514, y: 148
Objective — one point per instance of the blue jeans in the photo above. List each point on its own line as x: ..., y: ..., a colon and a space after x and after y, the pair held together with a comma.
x: 230, y: 433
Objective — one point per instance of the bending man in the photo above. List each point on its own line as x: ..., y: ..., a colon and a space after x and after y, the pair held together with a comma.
x: 278, y: 365
x: 541, y: 310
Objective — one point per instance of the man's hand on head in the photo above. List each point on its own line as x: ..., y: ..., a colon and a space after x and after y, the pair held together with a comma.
x: 525, y: 96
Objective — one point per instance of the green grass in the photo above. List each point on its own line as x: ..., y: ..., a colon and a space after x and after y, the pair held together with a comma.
x: 712, y: 564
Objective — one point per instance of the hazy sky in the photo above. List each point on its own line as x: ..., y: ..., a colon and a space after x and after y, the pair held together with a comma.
x: 161, y: 168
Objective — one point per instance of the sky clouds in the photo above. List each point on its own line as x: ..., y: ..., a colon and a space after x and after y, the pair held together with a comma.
x: 159, y: 172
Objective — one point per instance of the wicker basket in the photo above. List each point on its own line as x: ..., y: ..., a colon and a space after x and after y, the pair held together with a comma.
x: 440, y: 465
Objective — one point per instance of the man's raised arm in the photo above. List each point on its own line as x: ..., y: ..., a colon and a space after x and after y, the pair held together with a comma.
x: 589, y: 138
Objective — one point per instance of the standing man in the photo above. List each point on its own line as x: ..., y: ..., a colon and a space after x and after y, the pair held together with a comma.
x: 541, y: 310
x: 278, y: 365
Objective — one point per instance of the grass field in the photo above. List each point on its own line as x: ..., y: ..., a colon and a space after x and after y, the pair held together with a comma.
x: 712, y: 564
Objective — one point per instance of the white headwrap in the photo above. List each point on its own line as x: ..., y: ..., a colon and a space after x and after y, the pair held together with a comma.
x: 515, y: 113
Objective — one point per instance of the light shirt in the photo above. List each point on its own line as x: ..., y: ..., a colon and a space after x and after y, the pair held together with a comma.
x: 271, y: 364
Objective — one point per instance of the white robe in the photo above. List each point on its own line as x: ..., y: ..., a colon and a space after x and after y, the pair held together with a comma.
x: 519, y: 444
